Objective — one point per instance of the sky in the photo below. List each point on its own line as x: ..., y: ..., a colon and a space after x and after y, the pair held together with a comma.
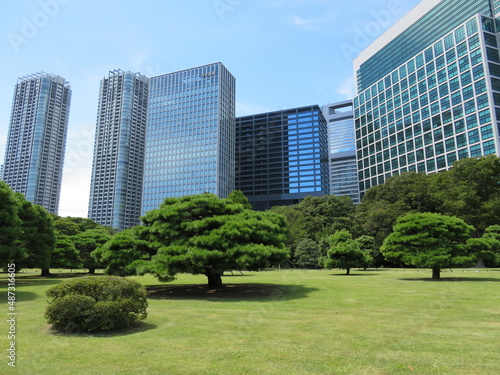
x: 283, y: 54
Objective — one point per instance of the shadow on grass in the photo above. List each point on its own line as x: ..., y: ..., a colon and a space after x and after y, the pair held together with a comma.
x: 138, y: 327
x: 230, y: 292
x: 452, y: 279
x: 357, y: 273
x: 21, y: 296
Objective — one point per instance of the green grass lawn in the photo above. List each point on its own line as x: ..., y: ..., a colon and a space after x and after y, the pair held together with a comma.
x: 289, y: 322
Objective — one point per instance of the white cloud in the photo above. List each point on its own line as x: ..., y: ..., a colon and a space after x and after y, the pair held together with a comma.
x: 347, y: 88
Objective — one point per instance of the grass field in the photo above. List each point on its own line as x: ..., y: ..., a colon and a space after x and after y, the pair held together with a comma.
x: 288, y: 322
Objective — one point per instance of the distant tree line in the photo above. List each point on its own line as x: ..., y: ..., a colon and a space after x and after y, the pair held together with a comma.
x: 440, y: 220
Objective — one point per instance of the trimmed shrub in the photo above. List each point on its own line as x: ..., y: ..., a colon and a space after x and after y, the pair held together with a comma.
x: 94, y: 304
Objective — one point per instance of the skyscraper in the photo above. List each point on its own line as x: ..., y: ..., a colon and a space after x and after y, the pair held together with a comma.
x: 282, y: 156
x: 36, y: 142
x: 342, y: 147
x: 429, y: 91
x: 117, y: 169
x: 190, y: 141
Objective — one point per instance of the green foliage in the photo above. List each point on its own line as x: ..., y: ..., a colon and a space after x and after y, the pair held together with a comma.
x: 10, y: 227
x: 203, y: 234
x: 124, y: 253
x: 470, y: 190
x: 37, y: 238
x: 94, y: 304
x: 237, y: 196
x: 486, y: 248
x: 307, y: 254
x: 344, y: 252
x: 65, y: 254
x: 429, y: 240
x: 86, y: 242
x: 382, y: 205
x: 367, y: 245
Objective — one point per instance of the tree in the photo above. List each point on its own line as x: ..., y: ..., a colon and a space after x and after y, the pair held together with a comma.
x: 325, y: 215
x: 65, y: 254
x: 383, y: 204
x: 344, y: 252
x: 203, y: 234
x: 486, y: 248
x: 237, y: 196
x: 37, y: 238
x: 429, y: 240
x: 10, y: 227
x: 307, y: 254
x: 470, y: 190
x: 86, y: 242
x: 124, y: 253
x: 367, y: 245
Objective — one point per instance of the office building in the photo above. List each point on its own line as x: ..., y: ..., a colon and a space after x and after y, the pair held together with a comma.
x: 282, y: 156
x: 190, y: 143
x: 36, y: 141
x: 428, y: 91
x: 117, y: 168
x: 342, y: 147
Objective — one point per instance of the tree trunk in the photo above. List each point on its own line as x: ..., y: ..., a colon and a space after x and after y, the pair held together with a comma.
x: 348, y: 271
x: 214, y: 279
x: 46, y: 272
x: 436, y: 273
x: 92, y: 270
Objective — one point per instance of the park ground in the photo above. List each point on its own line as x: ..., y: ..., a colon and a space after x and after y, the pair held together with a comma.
x: 274, y: 322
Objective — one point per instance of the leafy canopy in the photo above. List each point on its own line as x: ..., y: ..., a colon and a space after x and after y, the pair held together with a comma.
x: 204, y: 234
x: 429, y: 240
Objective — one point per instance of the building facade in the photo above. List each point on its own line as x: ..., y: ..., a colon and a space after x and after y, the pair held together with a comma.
x: 282, y: 156
x: 342, y: 147
x: 34, y: 155
x: 118, y: 162
x: 190, y: 143
x: 429, y: 91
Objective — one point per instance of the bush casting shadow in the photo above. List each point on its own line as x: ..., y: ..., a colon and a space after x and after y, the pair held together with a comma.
x: 137, y: 327
x: 230, y: 292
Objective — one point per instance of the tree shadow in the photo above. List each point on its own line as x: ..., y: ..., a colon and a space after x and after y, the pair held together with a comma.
x: 452, y: 279
x: 230, y: 292
x: 21, y: 296
x: 138, y: 327
x: 357, y: 273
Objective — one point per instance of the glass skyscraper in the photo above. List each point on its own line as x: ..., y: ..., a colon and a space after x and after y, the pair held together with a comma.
x: 342, y: 147
x: 117, y: 169
x: 190, y: 142
x: 429, y: 91
x: 34, y: 155
x: 282, y: 156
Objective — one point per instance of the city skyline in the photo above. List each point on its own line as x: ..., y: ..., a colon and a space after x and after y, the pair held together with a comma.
x: 283, y: 55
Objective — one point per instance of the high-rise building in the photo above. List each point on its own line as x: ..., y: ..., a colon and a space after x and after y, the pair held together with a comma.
x: 342, y: 147
x: 191, y: 135
x: 429, y: 91
x: 282, y: 156
x: 36, y: 142
x: 117, y: 169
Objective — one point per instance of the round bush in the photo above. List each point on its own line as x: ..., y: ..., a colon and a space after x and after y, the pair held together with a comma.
x: 93, y: 304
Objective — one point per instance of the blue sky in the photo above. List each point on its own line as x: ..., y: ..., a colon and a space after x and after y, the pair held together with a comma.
x: 283, y: 54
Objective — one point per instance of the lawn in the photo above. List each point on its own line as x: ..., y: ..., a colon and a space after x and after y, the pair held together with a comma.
x: 278, y: 322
